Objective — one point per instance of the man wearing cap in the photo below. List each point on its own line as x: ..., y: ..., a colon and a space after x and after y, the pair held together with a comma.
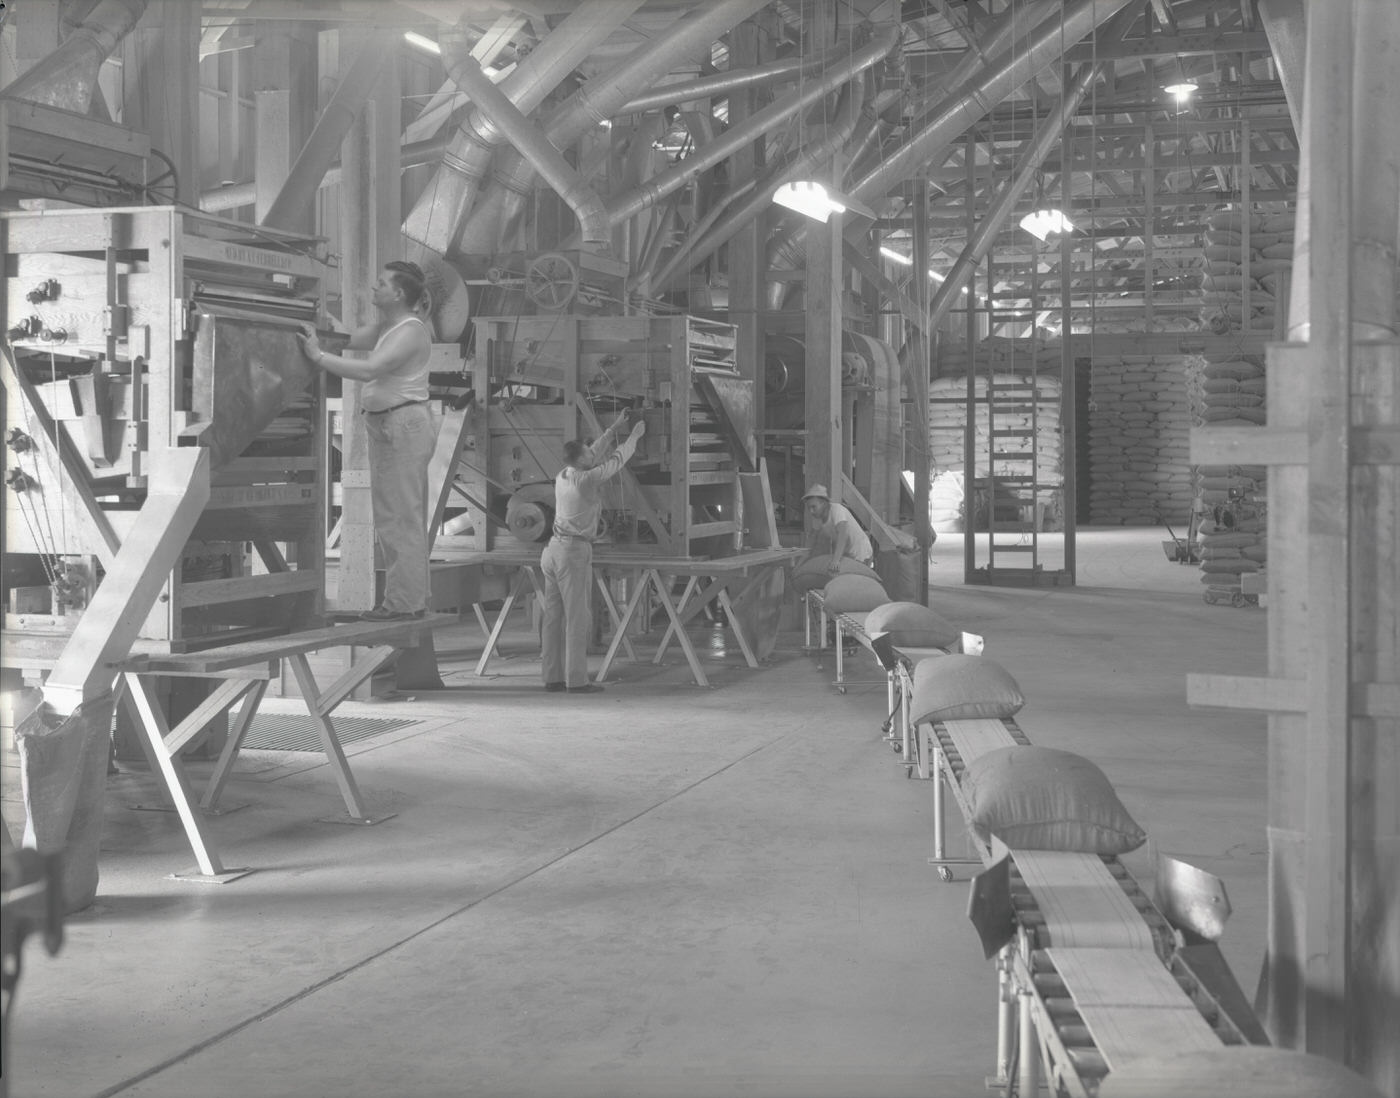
x: 835, y: 530
x: 567, y: 561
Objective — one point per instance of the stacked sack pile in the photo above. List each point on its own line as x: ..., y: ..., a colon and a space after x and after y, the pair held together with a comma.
x: 1009, y: 362
x: 1230, y: 498
x: 1139, y: 441
x: 1245, y: 256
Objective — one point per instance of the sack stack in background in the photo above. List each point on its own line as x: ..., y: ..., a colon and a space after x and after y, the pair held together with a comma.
x: 1139, y: 441
x: 1228, y: 390
x: 1008, y: 363
x: 1245, y: 257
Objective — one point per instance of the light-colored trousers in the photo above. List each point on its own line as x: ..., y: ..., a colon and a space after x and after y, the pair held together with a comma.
x: 567, y: 564
x: 401, y: 444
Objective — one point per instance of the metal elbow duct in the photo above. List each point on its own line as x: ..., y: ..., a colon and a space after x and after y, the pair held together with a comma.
x: 736, y: 137
x: 536, y: 148
x: 67, y: 77
x: 434, y: 219
x: 598, y: 101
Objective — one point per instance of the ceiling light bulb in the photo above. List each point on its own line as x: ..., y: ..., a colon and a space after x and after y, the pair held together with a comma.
x: 1182, y: 91
x: 808, y: 198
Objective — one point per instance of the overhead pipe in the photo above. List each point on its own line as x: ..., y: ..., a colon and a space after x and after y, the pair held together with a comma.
x: 413, y: 155
x: 529, y: 140
x: 702, y: 245
x: 995, y: 41
x: 969, y: 104
x: 450, y: 194
x: 736, y: 137
x: 67, y: 77
x: 357, y: 83
x: 1004, y: 200
x: 978, y: 97
x: 597, y: 102
x: 717, y: 86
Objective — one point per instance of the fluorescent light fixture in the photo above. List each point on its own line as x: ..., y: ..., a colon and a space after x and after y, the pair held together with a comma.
x: 898, y: 257
x: 817, y: 201
x: 424, y: 43
x: 1181, y: 92
x: 1042, y: 223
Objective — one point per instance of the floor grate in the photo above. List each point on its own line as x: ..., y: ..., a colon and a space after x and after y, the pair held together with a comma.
x: 270, y: 732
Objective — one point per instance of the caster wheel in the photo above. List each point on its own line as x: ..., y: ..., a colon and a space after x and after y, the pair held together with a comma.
x: 897, y: 748
x: 1252, y: 600
x: 840, y: 689
x: 1209, y: 598
x: 908, y: 772
x: 944, y: 873
x: 1237, y: 599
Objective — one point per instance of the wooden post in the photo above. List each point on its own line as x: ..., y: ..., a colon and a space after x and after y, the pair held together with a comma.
x: 920, y: 365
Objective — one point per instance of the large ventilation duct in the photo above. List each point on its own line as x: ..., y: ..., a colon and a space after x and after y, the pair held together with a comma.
x: 531, y: 143
x: 736, y: 137
x: 67, y: 77
x: 450, y: 194
x: 601, y: 98
x: 322, y: 147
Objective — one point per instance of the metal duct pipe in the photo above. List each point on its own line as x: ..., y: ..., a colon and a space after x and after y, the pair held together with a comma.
x: 1285, y: 25
x: 596, y: 102
x: 977, y: 98
x: 736, y: 137
x: 712, y: 86
x: 414, y: 155
x: 322, y: 147
x: 1004, y: 201
x: 702, y: 245
x: 532, y: 144
x: 997, y: 39
x: 972, y: 102
x: 450, y: 194
x: 67, y: 77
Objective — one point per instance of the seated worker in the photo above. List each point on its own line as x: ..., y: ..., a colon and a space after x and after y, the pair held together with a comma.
x: 567, y: 561
x: 834, y: 530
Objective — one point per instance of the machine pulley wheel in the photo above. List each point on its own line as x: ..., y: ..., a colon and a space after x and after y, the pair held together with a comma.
x: 551, y: 280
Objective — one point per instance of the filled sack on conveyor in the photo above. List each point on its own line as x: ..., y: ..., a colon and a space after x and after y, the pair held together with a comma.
x: 962, y: 687
x: 912, y: 625
x: 1040, y: 798
x: 852, y: 594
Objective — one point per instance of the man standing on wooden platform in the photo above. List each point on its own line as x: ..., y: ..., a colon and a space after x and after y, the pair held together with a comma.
x: 567, y: 561
x: 401, y: 428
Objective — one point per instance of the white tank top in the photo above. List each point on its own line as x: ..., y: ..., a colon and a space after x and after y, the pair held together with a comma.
x: 403, y: 386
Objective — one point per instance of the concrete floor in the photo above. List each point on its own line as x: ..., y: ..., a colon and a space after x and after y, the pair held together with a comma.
x: 659, y: 891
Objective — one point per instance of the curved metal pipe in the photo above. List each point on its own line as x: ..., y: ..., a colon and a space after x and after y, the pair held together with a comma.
x: 736, y: 137
x: 449, y: 195
x: 596, y: 102
x: 529, y: 140
x: 67, y: 77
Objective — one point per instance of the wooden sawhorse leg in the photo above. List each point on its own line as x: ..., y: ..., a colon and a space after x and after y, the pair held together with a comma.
x: 165, y: 747
x: 517, y: 588
x: 652, y: 577
x: 613, y: 615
